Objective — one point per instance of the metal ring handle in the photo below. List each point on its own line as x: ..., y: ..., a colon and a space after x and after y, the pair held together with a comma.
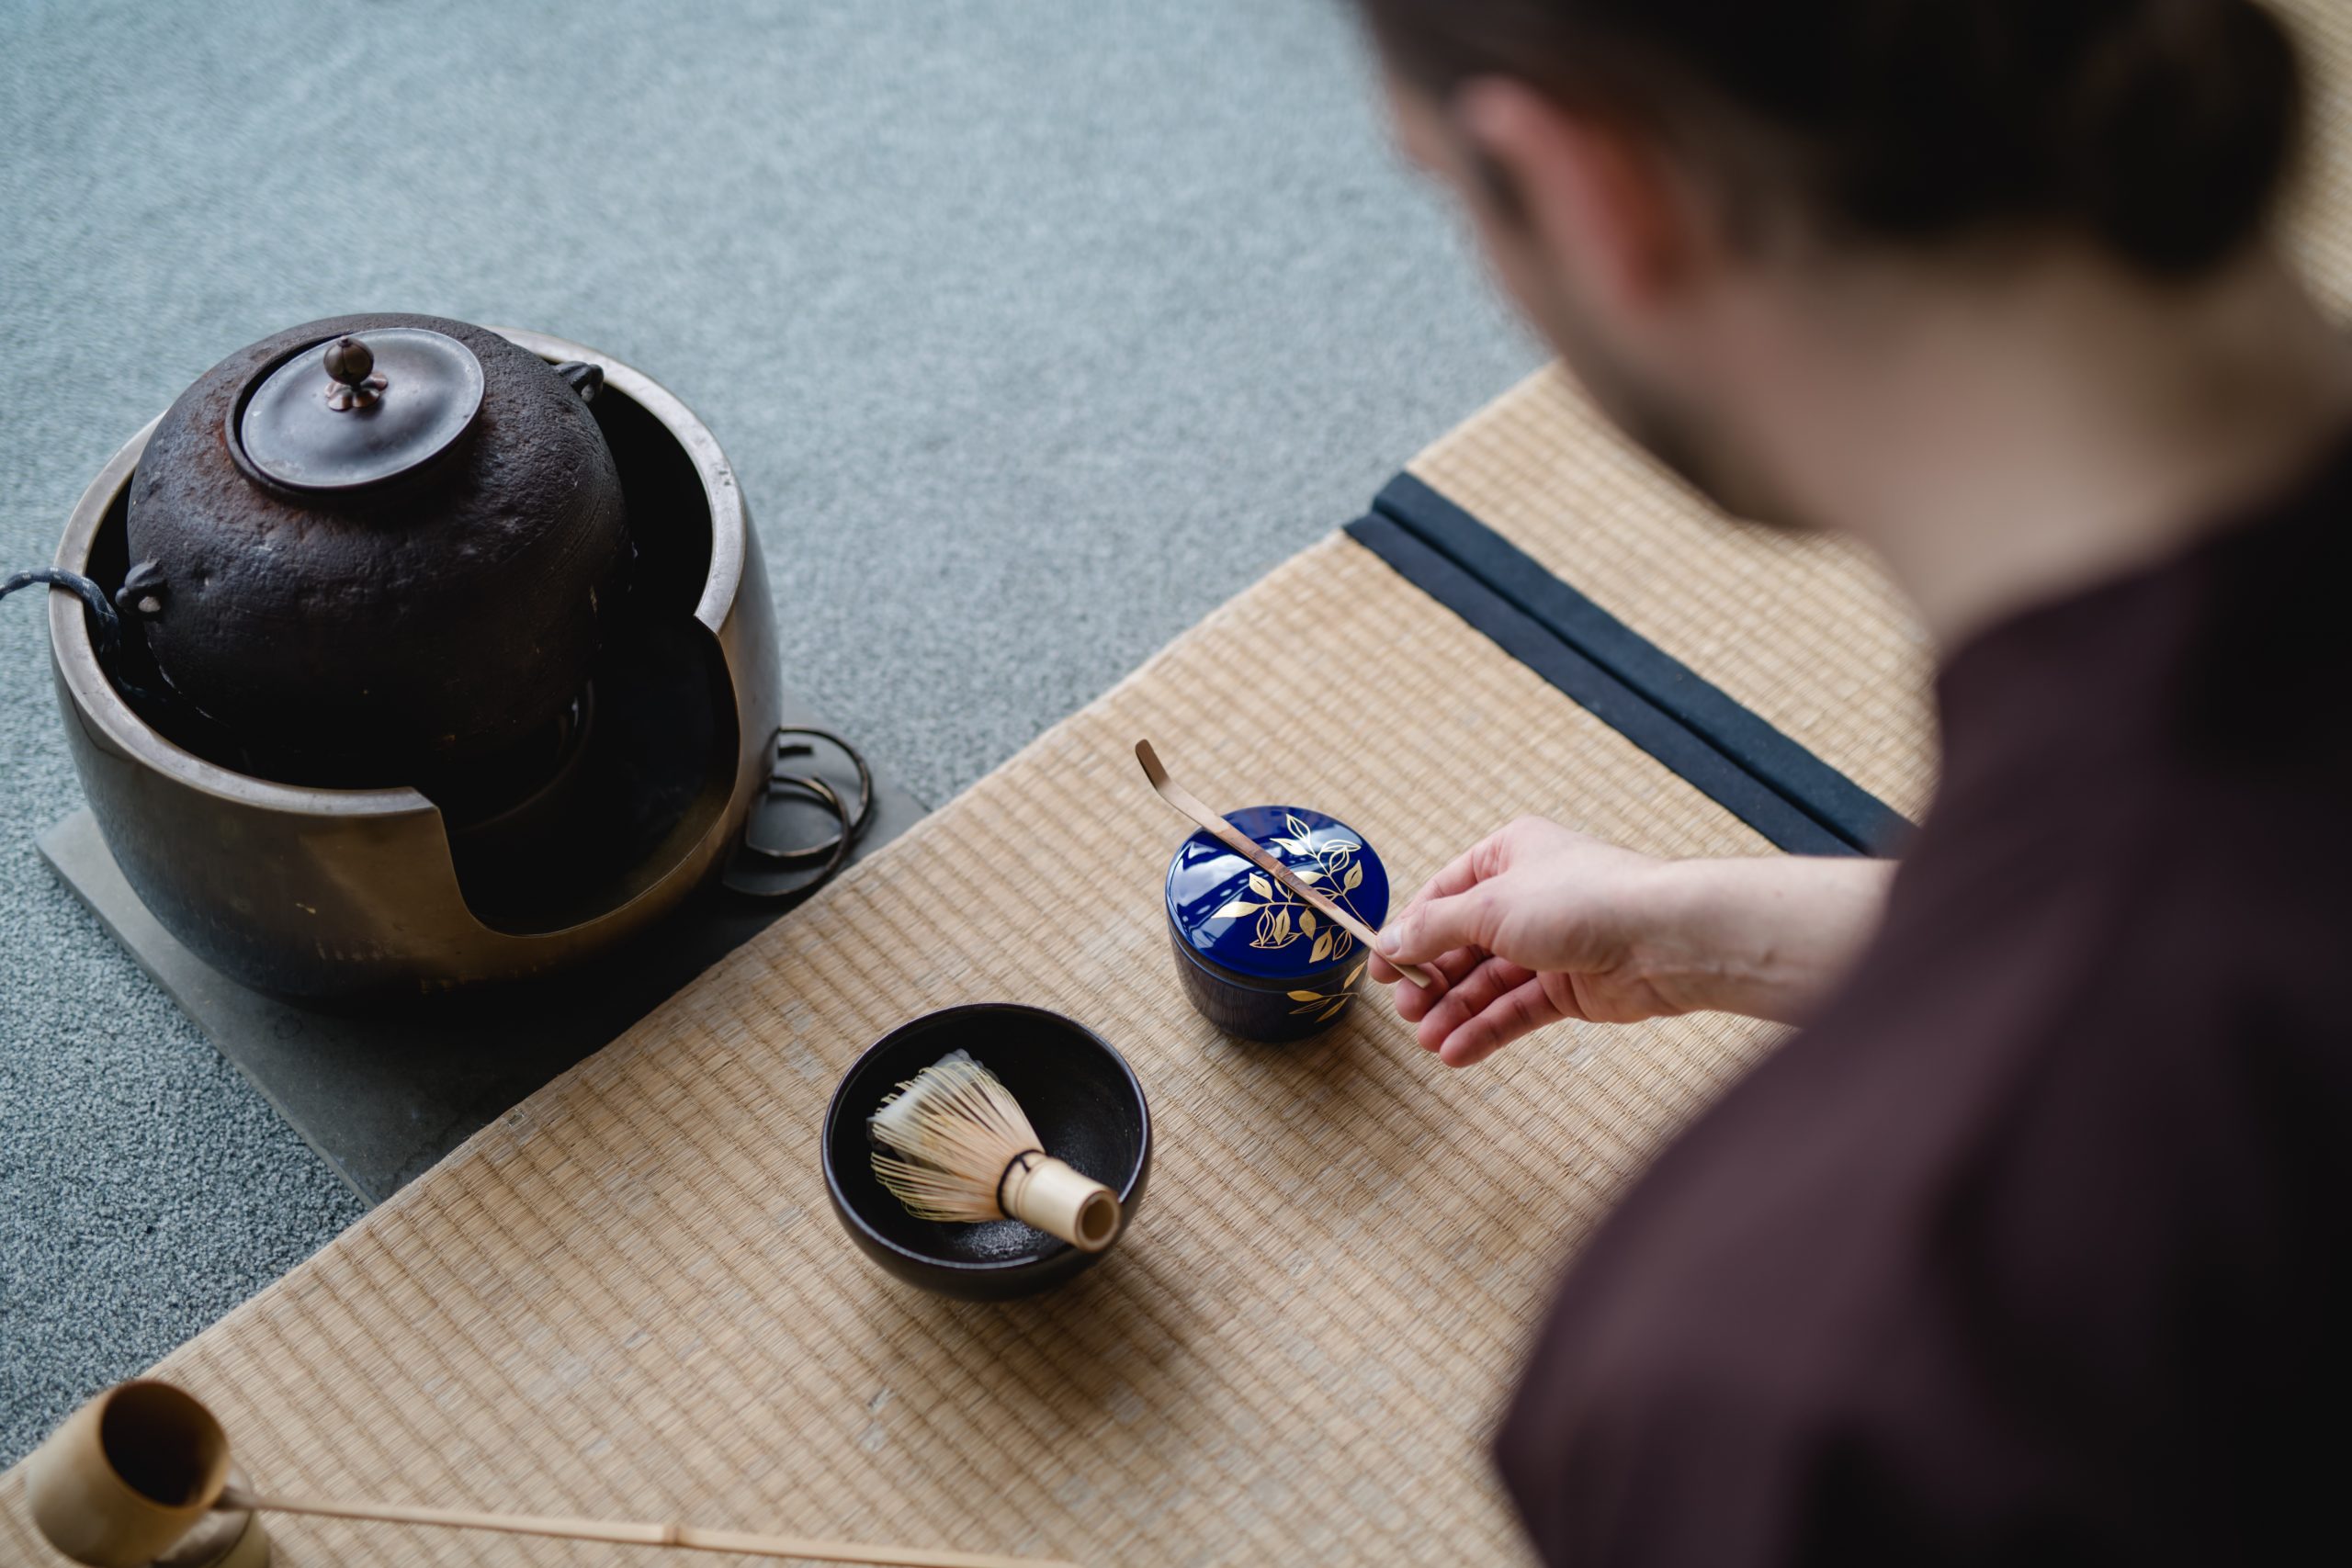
x: 824, y: 795
x: 853, y: 828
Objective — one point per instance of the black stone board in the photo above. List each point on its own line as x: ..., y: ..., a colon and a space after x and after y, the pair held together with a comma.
x: 384, y: 1093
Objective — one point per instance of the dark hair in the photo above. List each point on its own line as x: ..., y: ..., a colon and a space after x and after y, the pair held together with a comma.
x: 2162, y: 129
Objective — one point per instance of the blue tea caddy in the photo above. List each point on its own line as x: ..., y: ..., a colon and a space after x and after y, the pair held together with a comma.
x: 1254, y: 959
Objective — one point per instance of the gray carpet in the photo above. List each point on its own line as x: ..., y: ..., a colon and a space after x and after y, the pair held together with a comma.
x: 1035, y: 329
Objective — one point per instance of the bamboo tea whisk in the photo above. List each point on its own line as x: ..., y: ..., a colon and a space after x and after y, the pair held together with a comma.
x: 130, y: 1473
x: 954, y: 1145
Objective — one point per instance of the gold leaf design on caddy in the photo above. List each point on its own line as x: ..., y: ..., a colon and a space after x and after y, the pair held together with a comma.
x: 1331, y: 862
x: 1330, y: 1001
x: 1274, y: 929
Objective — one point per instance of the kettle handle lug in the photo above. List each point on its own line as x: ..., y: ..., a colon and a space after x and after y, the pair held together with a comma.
x: 143, y: 592
x: 582, y: 378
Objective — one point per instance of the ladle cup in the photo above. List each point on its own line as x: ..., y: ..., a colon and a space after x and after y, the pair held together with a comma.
x: 132, y: 1471
x: 127, y: 1474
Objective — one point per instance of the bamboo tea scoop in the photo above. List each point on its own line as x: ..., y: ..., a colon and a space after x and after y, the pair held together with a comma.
x: 1249, y: 849
x: 133, y: 1471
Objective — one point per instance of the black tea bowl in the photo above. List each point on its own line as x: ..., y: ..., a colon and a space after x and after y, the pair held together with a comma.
x: 1080, y: 1094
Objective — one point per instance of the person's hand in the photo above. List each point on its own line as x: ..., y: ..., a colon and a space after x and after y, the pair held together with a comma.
x: 1534, y: 924
x: 1538, y: 923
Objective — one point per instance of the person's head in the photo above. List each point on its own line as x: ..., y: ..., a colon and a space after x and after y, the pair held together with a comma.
x: 1631, y: 164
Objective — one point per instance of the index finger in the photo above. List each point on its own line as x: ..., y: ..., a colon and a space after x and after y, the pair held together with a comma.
x: 1461, y: 874
x: 1447, y: 969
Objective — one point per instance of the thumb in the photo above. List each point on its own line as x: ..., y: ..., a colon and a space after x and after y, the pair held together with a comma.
x: 1432, y: 928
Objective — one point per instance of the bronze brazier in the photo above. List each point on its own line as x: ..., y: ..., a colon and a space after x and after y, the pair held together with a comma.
x: 431, y: 883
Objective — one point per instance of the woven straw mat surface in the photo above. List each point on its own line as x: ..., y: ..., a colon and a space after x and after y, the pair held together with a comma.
x: 1802, y: 629
x: 629, y: 1298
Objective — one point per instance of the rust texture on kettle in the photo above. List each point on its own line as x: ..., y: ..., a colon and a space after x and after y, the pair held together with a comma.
x: 365, y: 639
x: 303, y: 891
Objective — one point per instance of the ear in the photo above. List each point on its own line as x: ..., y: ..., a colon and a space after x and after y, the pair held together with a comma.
x: 1594, y: 191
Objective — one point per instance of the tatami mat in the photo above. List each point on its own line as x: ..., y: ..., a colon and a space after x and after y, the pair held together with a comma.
x: 1803, y: 630
x: 2322, y: 210
x: 630, y: 1297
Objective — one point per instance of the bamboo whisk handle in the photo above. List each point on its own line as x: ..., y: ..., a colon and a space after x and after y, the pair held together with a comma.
x: 1060, y: 1199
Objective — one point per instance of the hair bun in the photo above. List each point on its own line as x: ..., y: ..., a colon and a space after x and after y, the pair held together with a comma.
x: 2179, y: 130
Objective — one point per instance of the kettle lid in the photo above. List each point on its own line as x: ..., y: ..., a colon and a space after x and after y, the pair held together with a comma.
x: 365, y: 408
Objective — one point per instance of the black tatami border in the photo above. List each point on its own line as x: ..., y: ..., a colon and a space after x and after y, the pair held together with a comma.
x: 1761, y: 775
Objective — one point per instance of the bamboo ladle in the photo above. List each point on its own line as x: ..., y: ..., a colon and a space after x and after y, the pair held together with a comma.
x: 133, y: 1471
x: 1192, y: 807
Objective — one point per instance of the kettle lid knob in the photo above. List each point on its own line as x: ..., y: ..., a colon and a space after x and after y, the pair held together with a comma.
x: 348, y: 360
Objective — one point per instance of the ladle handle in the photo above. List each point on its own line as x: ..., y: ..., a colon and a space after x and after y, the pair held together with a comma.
x: 1249, y: 849
x: 624, y: 1532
